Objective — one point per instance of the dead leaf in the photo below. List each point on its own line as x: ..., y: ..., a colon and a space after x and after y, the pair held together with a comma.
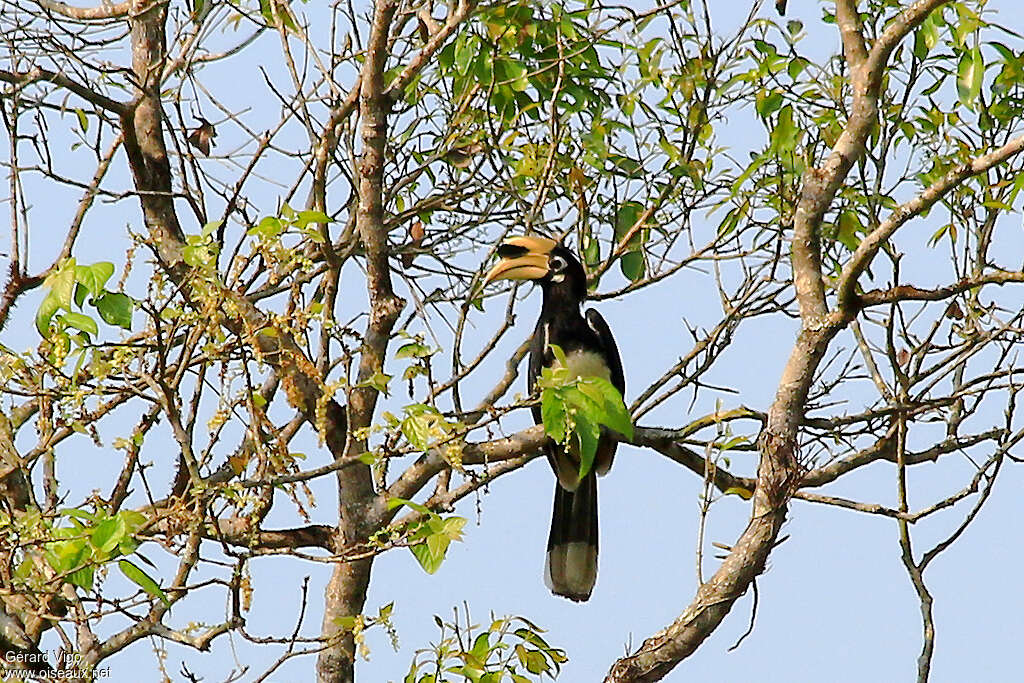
x: 202, y: 137
x: 416, y: 234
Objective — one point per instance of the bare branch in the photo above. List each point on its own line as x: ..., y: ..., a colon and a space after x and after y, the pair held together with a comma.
x: 870, y: 245
x: 104, y: 11
x: 39, y: 74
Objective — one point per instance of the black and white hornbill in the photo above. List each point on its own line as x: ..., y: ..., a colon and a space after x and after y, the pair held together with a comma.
x: 570, y: 568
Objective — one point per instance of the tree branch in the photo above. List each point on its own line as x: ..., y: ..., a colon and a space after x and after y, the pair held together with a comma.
x: 346, y: 590
x: 850, y: 31
x: 433, y: 44
x: 104, y: 11
x: 22, y: 79
x: 870, y: 245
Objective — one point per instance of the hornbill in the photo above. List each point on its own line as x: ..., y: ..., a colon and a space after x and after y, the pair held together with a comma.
x: 570, y: 568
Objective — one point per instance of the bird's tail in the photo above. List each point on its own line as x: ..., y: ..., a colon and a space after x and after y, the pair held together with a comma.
x: 570, y: 569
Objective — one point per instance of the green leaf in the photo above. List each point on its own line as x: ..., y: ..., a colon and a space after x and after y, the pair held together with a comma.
x: 592, y: 252
x: 395, y: 502
x: 632, y: 265
x: 287, y: 20
x: 481, y: 646
x: 78, y: 514
x: 412, y: 350
x: 200, y: 252
x: 67, y: 555
x: 559, y: 355
x: 210, y: 229
x: 626, y: 217
x: 128, y: 546
x: 625, y: 166
x: 133, y: 520
x: 452, y: 527
x: 143, y: 580
x: 582, y: 404
x: 465, y: 51
x: 587, y: 433
x: 926, y: 37
x: 61, y: 284
x: 849, y: 228
x: 417, y: 429
x: 47, y: 308
x: 378, y: 381
x: 785, y: 134
x: 930, y: 29
x: 268, y: 227
x: 81, y: 294
x: 107, y: 535
x: 94, y: 277
x: 948, y: 228
x: 267, y: 11
x: 536, y: 663
x: 83, y: 577
x: 431, y: 553
x: 553, y: 414
x: 768, y: 104
x: 81, y: 322
x: 970, y: 75
x: 615, y: 414
x: 311, y: 216
x: 116, y: 309
x: 83, y: 120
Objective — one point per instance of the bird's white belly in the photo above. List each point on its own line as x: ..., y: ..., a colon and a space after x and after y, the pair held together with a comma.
x: 582, y: 363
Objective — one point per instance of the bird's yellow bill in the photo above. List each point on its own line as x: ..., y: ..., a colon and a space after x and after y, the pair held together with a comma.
x: 530, y: 243
x: 522, y: 258
x: 528, y: 267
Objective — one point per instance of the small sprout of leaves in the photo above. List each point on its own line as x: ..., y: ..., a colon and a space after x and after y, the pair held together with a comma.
x: 508, y: 649
x: 73, y: 286
x: 430, y: 537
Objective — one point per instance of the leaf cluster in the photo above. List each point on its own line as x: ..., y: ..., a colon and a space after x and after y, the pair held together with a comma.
x: 70, y: 287
x: 574, y: 409
x: 430, y: 537
x: 92, y: 540
x: 509, y: 649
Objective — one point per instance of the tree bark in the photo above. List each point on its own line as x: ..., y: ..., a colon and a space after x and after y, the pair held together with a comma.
x: 346, y: 591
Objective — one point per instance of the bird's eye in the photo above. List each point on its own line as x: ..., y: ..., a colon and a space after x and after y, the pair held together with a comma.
x: 557, y: 264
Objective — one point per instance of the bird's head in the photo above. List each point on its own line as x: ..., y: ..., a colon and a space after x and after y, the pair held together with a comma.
x: 542, y: 260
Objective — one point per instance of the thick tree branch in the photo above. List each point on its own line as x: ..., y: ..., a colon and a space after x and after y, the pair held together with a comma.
x: 22, y: 79
x: 850, y: 31
x: 104, y: 11
x: 346, y: 590
x: 878, y: 297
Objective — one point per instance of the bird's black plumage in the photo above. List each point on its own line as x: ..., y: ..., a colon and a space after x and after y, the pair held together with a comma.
x: 590, y: 350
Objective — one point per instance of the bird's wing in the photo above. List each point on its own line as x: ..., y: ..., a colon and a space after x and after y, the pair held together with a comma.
x: 608, y: 348
x: 534, y: 366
